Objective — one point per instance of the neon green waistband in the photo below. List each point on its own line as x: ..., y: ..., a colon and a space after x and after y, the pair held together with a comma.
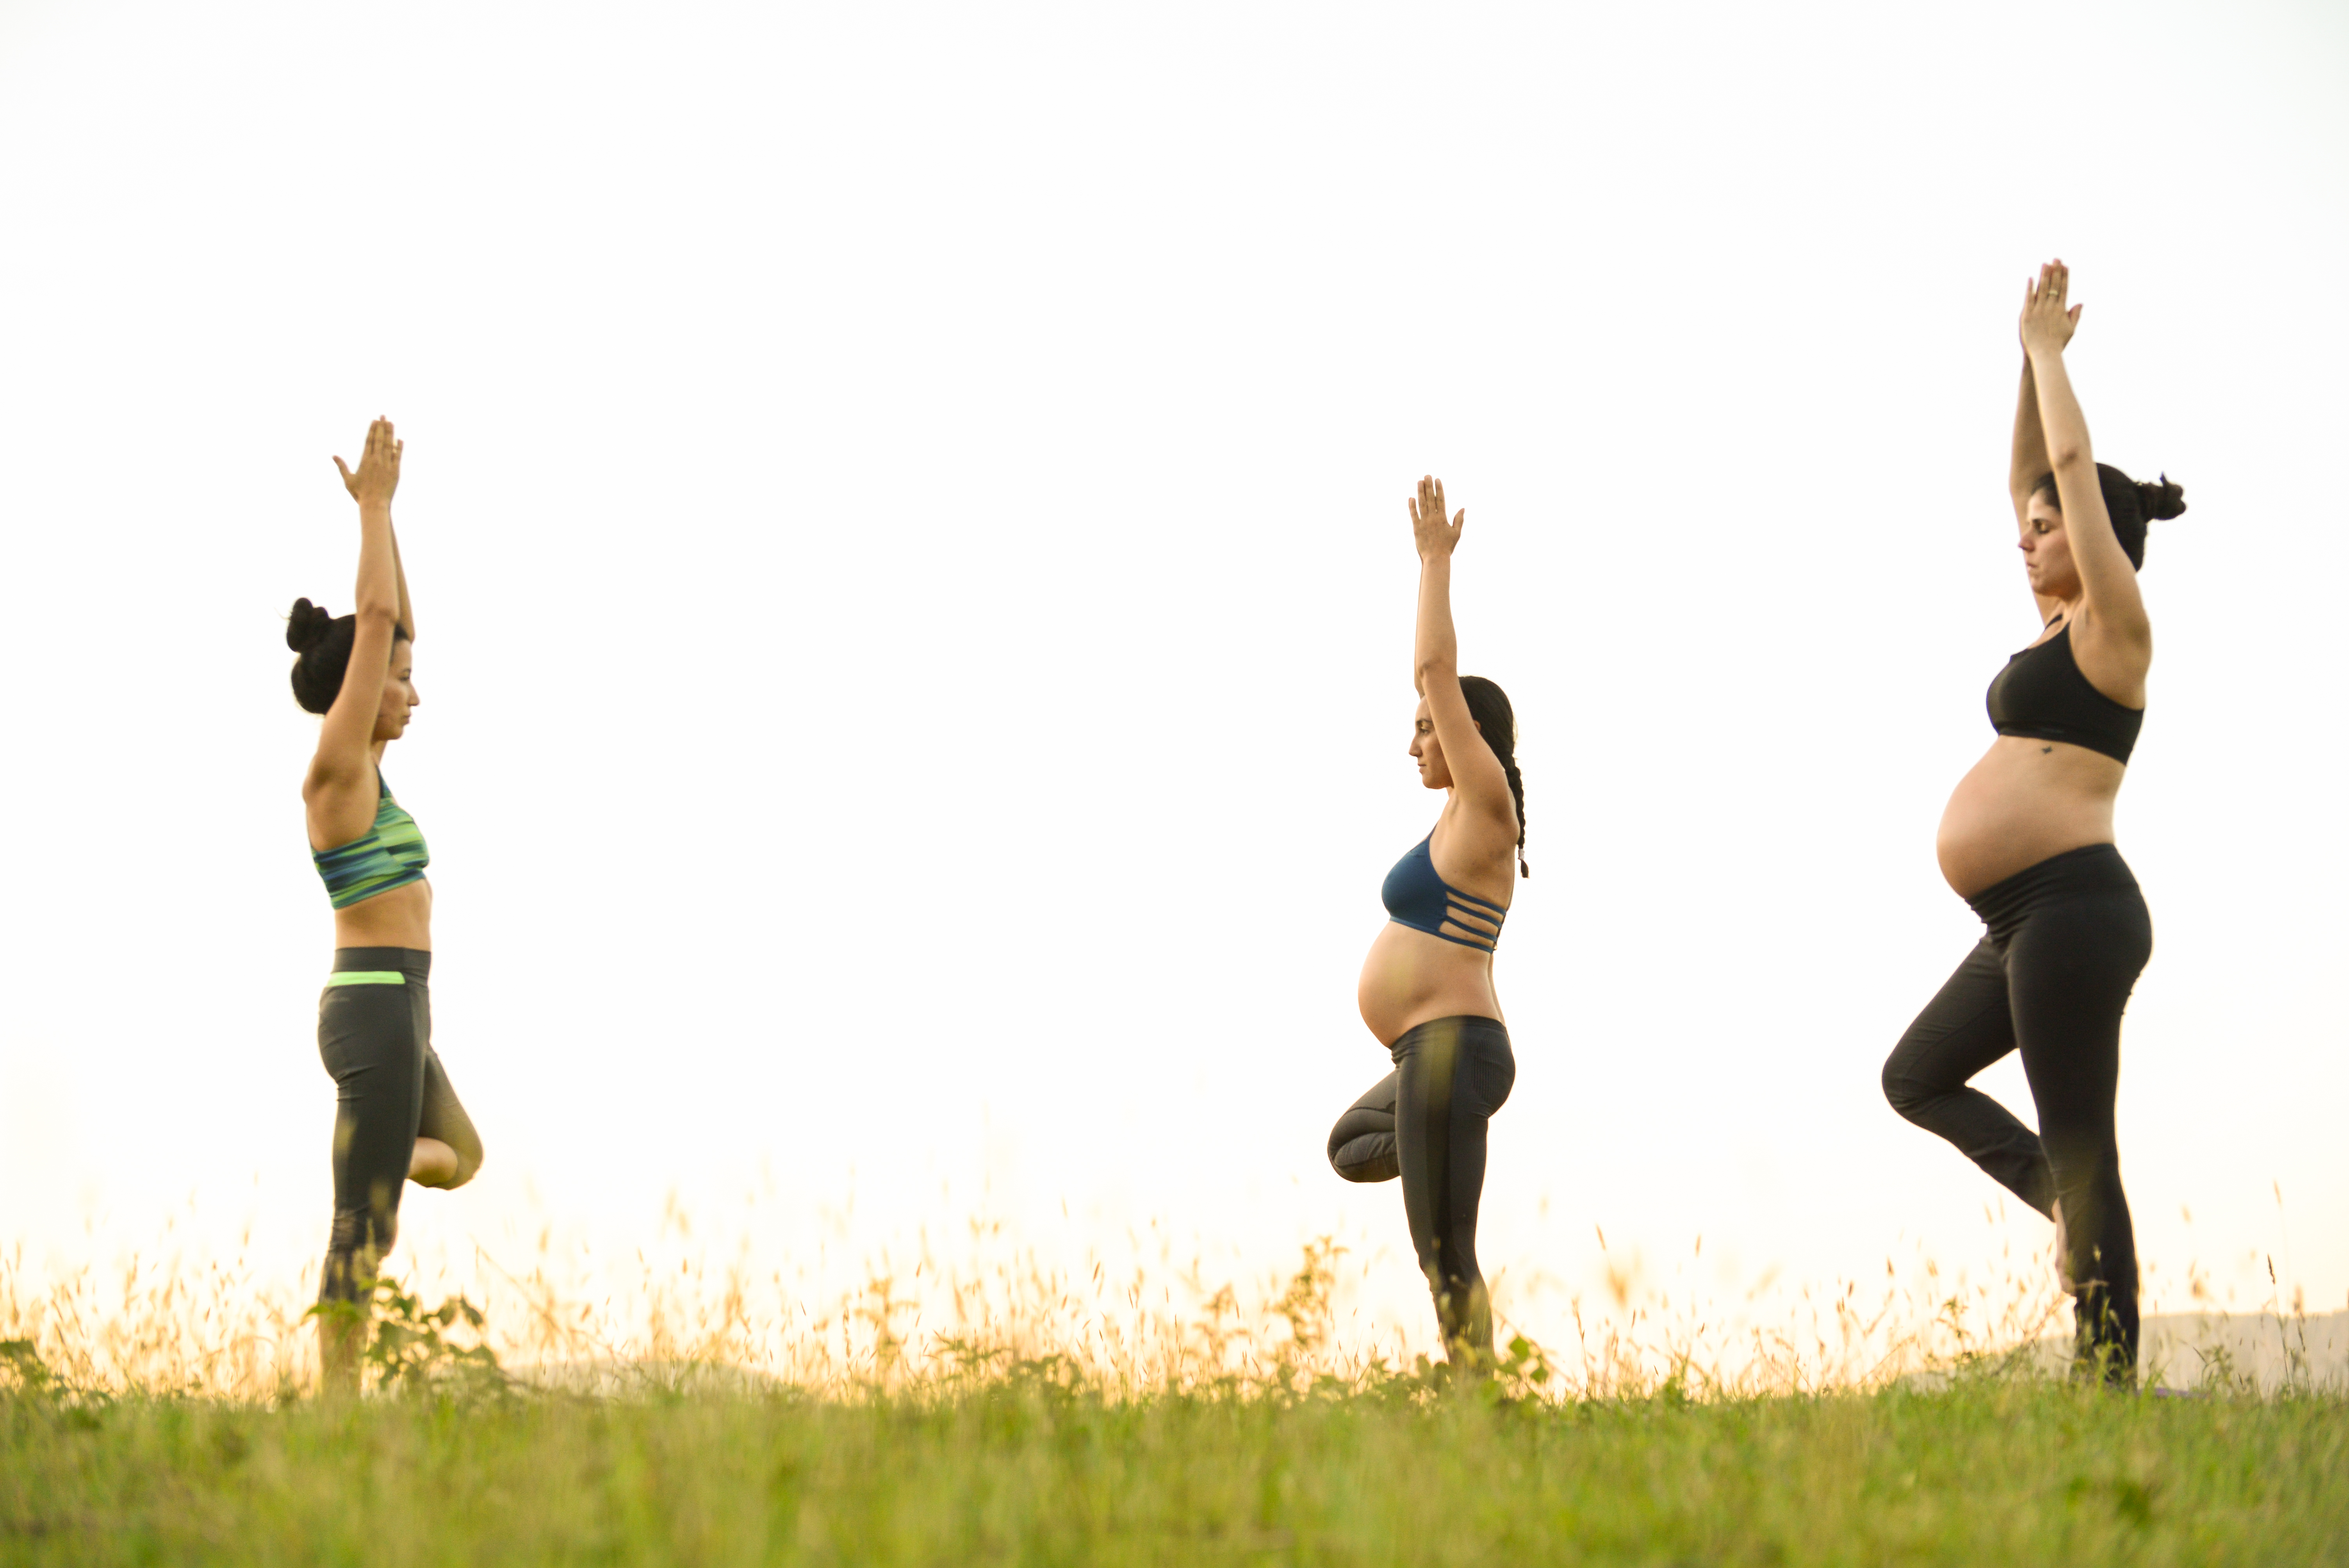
x: 367, y: 978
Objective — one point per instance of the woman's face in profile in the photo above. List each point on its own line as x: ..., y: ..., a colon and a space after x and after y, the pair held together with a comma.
x: 1428, y: 751
x: 2047, y: 551
x: 399, y: 694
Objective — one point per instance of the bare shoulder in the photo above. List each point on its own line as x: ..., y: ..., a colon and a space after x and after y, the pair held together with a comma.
x: 2113, y: 660
x: 1478, y: 849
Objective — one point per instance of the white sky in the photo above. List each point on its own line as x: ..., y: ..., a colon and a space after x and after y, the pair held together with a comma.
x: 906, y: 510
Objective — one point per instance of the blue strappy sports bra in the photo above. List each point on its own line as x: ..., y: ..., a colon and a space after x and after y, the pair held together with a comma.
x: 1415, y: 896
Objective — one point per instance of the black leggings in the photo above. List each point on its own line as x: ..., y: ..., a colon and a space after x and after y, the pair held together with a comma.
x: 2065, y: 942
x: 375, y: 1034
x: 1426, y: 1121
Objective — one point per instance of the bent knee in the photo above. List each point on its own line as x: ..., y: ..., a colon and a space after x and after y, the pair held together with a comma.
x: 1904, y: 1094
x: 469, y: 1163
x: 1368, y: 1158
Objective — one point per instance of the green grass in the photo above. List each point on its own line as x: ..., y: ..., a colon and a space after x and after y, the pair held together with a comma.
x: 1030, y: 1470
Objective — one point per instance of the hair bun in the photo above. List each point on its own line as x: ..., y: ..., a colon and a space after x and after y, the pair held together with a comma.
x: 305, y: 628
x: 2161, y: 498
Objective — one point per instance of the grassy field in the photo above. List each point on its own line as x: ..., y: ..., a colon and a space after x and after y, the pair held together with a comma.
x: 1030, y: 1466
x: 1043, y: 1417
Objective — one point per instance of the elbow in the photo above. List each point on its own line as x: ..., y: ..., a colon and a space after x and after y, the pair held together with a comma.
x: 2071, y: 457
x: 1433, y: 669
x: 372, y: 612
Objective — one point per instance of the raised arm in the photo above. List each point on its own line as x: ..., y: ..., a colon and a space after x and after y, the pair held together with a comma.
x: 2107, y: 581
x: 1477, y: 771
x: 398, y: 567
x: 399, y: 571
x: 345, y: 752
x: 2028, y: 464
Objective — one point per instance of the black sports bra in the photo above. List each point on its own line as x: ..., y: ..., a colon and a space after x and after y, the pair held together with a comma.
x: 2042, y: 695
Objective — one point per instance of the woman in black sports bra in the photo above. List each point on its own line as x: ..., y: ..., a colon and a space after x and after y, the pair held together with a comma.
x: 1426, y: 990
x: 2027, y: 841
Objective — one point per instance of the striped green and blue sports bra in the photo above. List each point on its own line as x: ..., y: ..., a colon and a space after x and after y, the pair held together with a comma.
x: 388, y: 855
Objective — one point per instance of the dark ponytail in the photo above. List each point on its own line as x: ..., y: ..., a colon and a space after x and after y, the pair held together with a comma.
x: 323, y: 642
x: 1488, y: 704
x: 2130, y: 505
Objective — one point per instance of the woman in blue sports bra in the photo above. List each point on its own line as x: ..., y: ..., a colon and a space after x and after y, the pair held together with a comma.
x: 396, y: 1119
x: 1426, y: 991
x: 2027, y: 841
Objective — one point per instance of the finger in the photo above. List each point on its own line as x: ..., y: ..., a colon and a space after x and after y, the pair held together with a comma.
x: 342, y: 471
x: 397, y: 447
x: 2075, y: 313
x: 1460, y: 521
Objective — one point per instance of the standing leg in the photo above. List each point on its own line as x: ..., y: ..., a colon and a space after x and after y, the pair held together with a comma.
x: 1454, y: 1073
x: 368, y: 1039
x: 1362, y: 1143
x: 1967, y: 1026
x: 2072, y: 967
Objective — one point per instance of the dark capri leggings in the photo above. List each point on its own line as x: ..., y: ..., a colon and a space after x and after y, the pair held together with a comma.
x: 375, y: 1034
x: 2064, y: 942
x: 1426, y: 1121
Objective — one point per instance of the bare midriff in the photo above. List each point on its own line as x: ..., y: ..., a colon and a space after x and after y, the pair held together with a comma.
x: 2025, y: 801
x: 400, y: 918
x: 1411, y: 979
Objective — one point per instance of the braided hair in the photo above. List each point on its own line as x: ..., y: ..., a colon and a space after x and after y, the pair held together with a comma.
x: 1496, y: 721
x: 2130, y: 504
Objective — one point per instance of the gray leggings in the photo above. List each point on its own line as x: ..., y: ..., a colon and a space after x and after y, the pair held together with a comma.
x: 375, y: 1035
x: 1425, y: 1122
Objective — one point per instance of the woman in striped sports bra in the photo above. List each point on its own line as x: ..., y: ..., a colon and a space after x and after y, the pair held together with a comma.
x: 1426, y: 991
x: 397, y: 1119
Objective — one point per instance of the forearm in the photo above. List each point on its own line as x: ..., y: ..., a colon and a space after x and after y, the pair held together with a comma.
x: 399, y: 571
x: 379, y: 592
x: 2063, y: 429
x: 1435, y: 649
x: 2030, y: 464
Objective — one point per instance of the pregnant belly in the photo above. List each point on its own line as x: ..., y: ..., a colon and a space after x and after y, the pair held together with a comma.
x: 1411, y: 977
x: 2025, y: 801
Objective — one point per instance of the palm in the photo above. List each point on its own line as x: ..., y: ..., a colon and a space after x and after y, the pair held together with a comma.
x: 1428, y: 530
x: 2046, y: 324
x: 377, y: 475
